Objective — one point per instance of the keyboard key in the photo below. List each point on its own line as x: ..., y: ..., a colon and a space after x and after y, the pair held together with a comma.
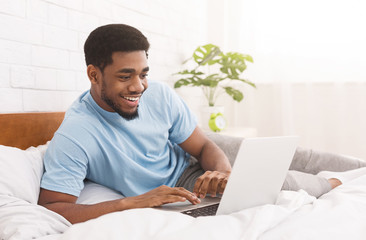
x: 203, y: 211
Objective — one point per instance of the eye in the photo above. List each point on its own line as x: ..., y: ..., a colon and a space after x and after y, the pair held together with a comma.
x: 124, y: 78
x: 144, y: 75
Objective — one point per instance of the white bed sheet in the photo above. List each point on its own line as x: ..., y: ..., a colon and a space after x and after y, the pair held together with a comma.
x: 339, y: 214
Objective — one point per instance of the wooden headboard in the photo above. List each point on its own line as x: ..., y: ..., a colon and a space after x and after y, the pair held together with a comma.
x: 23, y: 130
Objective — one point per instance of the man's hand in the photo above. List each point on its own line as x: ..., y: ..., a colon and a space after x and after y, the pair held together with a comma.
x: 211, y: 182
x: 65, y: 204
x: 212, y: 159
x: 162, y: 195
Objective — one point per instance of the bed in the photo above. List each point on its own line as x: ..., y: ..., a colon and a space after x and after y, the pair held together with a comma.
x: 339, y: 214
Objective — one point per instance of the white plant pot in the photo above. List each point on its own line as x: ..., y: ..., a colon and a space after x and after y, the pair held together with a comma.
x: 206, y: 112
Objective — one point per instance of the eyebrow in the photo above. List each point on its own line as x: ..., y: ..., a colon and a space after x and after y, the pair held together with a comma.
x: 131, y: 70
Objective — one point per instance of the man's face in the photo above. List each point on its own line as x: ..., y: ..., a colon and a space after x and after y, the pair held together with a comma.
x: 122, y: 83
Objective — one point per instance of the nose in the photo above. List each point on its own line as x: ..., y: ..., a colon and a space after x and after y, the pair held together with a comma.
x: 136, y: 85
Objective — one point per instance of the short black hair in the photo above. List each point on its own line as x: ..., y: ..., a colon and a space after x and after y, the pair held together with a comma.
x: 105, y: 40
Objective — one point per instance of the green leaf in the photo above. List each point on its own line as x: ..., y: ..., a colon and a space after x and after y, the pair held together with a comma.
x: 207, y: 54
x: 248, y: 58
x: 233, y: 64
x: 181, y: 82
x: 192, y: 72
x: 214, y: 77
x: 193, y: 81
x: 211, y: 80
x: 209, y: 83
x: 243, y: 80
x: 234, y: 93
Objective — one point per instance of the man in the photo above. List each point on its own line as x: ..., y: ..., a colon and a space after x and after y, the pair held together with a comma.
x: 106, y: 139
x: 131, y: 135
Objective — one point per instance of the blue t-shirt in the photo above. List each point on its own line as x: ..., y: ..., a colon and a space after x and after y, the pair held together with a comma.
x: 131, y: 157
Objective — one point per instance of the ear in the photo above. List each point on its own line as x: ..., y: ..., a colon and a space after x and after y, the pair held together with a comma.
x: 92, y: 72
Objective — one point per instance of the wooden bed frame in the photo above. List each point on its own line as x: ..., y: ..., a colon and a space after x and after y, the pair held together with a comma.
x: 23, y: 130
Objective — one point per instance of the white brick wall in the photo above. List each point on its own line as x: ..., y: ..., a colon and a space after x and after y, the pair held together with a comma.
x: 41, y: 44
x: 11, y: 100
x: 22, y: 77
x: 4, y: 76
x: 15, y: 8
x: 14, y: 52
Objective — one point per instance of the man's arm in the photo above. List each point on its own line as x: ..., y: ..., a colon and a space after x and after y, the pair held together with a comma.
x: 212, y: 159
x: 65, y: 204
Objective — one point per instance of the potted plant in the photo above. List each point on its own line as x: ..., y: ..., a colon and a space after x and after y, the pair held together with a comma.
x: 213, y: 71
x: 229, y: 67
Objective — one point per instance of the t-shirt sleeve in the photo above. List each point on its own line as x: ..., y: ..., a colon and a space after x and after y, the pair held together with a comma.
x: 183, y: 120
x: 65, y: 166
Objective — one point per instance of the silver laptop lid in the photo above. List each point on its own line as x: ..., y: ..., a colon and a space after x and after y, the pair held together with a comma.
x: 258, y: 173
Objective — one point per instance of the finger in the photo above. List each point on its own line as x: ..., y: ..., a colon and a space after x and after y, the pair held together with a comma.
x: 196, y: 187
x: 213, y: 186
x: 198, y: 184
x: 162, y: 199
x: 164, y: 191
x: 216, y: 183
x: 205, y: 185
x: 173, y: 199
x: 179, y: 191
x: 222, y: 185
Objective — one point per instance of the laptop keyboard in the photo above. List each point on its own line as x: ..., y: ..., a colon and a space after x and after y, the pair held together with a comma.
x: 203, y: 211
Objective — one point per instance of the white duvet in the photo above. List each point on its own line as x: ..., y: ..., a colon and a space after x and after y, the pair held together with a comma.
x: 339, y: 214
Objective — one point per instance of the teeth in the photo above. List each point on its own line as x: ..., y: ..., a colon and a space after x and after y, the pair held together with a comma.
x: 133, y: 99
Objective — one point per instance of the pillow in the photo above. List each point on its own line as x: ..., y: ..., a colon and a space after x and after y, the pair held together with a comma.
x: 21, y: 172
x: 93, y: 193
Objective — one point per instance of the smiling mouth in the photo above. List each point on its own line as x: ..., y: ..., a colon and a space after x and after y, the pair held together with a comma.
x: 131, y: 99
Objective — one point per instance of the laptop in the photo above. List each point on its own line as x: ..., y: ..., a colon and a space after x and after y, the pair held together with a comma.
x: 256, y: 179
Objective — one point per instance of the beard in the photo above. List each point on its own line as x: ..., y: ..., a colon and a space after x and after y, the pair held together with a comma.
x: 116, y: 107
